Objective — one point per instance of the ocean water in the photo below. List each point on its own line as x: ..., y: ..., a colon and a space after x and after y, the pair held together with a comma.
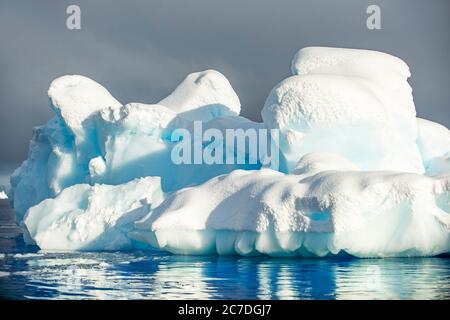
x: 35, y: 274
x: 28, y: 273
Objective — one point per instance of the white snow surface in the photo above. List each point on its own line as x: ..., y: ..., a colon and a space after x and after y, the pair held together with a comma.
x: 317, y: 211
x: 76, y: 98
x: 204, y: 96
x: 108, y: 143
x: 356, y: 103
x: 383, y: 69
x: 3, y: 195
x: 359, y: 173
x: 85, y: 217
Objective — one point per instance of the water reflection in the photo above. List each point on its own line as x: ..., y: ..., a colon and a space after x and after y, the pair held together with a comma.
x: 418, y: 278
x: 156, y: 275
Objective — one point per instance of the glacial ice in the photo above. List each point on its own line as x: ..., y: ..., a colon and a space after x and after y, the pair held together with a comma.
x: 333, y: 208
x: 98, y: 217
x: 204, y: 96
x: 336, y: 101
x: 75, y: 99
x: 105, y: 142
x: 434, y: 144
x: 358, y: 172
x: 380, y: 68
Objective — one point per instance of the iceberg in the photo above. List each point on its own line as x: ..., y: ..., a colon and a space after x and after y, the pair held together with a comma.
x: 389, y: 72
x: 204, y: 96
x: 75, y: 99
x: 3, y: 192
x: 135, y: 140
x: 336, y: 101
x: 316, y: 211
x: 95, y: 139
x: 355, y: 172
x: 85, y: 217
x: 434, y: 144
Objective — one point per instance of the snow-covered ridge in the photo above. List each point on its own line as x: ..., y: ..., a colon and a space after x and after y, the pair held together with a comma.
x: 204, y: 96
x: 365, y: 214
x: 359, y: 172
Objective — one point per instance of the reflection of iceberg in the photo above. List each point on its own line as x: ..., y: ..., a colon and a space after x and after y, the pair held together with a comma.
x: 181, y: 279
x: 155, y: 275
x: 393, y: 279
x: 358, y: 171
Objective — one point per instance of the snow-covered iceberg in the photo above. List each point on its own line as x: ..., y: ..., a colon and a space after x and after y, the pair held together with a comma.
x: 434, y: 145
x: 357, y: 171
x: 318, y: 210
x: 98, y: 217
x: 337, y: 101
x: 204, y: 96
x: 95, y: 139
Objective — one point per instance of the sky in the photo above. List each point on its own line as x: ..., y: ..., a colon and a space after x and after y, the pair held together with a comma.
x: 140, y: 50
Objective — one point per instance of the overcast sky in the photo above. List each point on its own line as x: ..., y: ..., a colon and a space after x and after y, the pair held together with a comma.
x: 139, y: 50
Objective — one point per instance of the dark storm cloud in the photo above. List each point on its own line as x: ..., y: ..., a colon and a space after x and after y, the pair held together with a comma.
x: 140, y: 50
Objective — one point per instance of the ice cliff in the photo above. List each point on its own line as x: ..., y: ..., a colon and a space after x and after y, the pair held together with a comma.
x: 358, y: 172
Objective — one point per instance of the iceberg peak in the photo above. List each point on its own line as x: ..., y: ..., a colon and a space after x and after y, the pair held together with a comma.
x: 202, y: 94
x: 76, y: 97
